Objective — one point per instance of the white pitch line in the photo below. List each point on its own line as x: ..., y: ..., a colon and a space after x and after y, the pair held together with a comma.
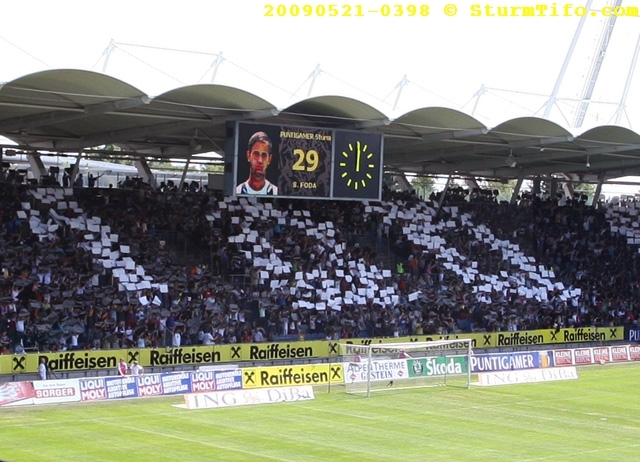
x: 591, y: 451
x: 342, y: 413
x: 166, y: 435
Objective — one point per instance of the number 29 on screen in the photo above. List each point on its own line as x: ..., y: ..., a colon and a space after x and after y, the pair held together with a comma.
x: 306, y: 161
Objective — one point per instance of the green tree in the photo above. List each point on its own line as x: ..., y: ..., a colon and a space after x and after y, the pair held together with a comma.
x: 423, y: 186
x: 504, y: 188
x: 586, y: 189
x: 211, y: 168
x: 117, y: 156
x: 162, y: 165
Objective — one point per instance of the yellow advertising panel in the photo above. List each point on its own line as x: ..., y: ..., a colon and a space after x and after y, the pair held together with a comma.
x: 553, y: 336
x: 478, y: 340
x: 159, y: 357
x: 506, y: 339
x: 202, y: 355
x: 213, y: 354
x: 180, y: 356
x: 279, y: 351
x: 80, y: 360
x: 286, y: 376
x: 5, y: 364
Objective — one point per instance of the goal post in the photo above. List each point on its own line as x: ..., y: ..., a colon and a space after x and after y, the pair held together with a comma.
x: 391, y: 366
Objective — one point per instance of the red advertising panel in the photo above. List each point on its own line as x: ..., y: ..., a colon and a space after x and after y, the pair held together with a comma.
x: 562, y: 358
x: 634, y: 352
x: 582, y: 356
x: 14, y: 392
x: 601, y: 355
x: 619, y: 353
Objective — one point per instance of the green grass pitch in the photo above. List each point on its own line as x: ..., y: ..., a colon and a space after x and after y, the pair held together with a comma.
x: 594, y: 418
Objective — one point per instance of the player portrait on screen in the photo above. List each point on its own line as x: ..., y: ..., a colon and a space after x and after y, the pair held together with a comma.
x: 259, y: 156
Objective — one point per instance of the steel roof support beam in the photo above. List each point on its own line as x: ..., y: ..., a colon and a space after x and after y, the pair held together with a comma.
x: 66, y: 114
x: 540, y: 142
x: 621, y: 167
x: 184, y: 173
x: 75, y: 169
x: 516, y: 189
x: 37, y: 166
x: 596, y: 194
x: 363, y: 125
x: 612, y: 149
x: 453, y: 134
x: 488, y: 148
x: 171, y: 127
x: 444, y: 192
x: 144, y: 171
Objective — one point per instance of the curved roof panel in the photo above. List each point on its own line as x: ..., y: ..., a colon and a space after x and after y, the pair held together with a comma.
x: 212, y: 97
x: 529, y: 127
x: 334, y: 111
x: 67, y: 88
x: 610, y: 134
x: 70, y: 110
x: 436, y: 119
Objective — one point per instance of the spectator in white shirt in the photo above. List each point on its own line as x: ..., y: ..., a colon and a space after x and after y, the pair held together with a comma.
x: 177, y: 338
x: 42, y: 369
x: 207, y: 338
x: 136, y: 369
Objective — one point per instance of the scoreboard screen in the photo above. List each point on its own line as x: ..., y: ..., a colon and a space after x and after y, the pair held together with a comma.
x: 314, y: 162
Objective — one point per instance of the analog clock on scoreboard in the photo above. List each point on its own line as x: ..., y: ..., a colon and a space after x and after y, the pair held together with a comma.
x: 357, y: 165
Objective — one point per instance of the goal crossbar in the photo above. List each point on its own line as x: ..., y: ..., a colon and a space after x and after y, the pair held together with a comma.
x: 385, y: 366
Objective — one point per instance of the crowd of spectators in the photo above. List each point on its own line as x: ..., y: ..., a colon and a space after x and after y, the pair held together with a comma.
x: 272, y: 269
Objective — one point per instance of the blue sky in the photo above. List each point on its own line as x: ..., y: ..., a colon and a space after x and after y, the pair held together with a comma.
x: 446, y: 60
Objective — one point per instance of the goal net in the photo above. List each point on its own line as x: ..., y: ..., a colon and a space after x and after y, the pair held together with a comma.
x: 392, y: 366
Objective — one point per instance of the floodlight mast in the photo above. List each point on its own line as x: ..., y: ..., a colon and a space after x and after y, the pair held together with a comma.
x: 596, y: 65
x: 316, y: 72
x: 400, y: 86
x: 477, y: 96
x: 553, y: 98
x: 107, y: 53
x: 216, y: 65
x: 627, y: 84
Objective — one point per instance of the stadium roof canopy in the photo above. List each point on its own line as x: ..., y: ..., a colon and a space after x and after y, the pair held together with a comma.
x: 69, y: 111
